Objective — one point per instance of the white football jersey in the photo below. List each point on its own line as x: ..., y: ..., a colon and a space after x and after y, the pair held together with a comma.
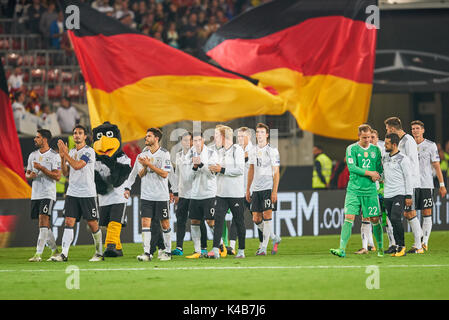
x: 263, y: 159
x: 407, y: 145
x: 184, y: 174
x: 397, y: 175
x: 153, y: 187
x: 82, y: 181
x: 43, y: 187
x: 230, y: 183
x: 427, y: 154
x: 204, y: 182
x: 114, y: 195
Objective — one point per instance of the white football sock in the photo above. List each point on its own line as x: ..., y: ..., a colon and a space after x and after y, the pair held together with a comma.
x: 98, y: 241
x: 166, y: 234
x: 426, y: 228
x: 67, y: 238
x: 42, y: 238
x: 370, y: 235
x: 232, y: 244
x: 266, y: 233
x: 51, y: 241
x: 417, y: 232
x: 146, y: 239
x: 196, y: 237
x: 364, y: 233
x: 389, y: 229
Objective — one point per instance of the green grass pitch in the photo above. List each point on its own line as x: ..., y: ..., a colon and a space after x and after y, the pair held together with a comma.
x: 302, y: 269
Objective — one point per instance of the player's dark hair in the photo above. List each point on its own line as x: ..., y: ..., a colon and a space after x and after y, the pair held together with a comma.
x: 394, y: 122
x: 394, y: 138
x: 197, y: 134
x: 46, y: 134
x: 157, y: 133
x: 188, y: 133
x: 78, y: 126
x: 263, y: 125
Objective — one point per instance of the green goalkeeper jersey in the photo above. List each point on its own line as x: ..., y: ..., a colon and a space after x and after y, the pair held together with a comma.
x: 359, y: 160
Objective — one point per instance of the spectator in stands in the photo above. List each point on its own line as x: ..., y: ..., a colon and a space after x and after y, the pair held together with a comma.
x: 338, y: 177
x: 33, y: 106
x: 46, y: 111
x: 124, y: 10
x: 202, y: 19
x: 21, y: 15
x: 15, y: 80
x: 322, y: 168
x: 211, y: 27
x: 57, y: 31
x: 68, y: 116
x: 47, y: 19
x: 127, y: 20
x: 171, y: 36
x: 35, y: 12
x: 102, y: 6
x: 140, y: 10
x: 189, y: 35
x: 18, y: 107
x: 172, y: 15
x: 132, y: 150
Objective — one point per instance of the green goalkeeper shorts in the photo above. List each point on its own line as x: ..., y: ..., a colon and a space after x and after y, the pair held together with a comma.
x: 368, y: 205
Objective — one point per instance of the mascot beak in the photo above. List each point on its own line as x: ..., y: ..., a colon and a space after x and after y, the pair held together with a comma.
x: 106, y: 146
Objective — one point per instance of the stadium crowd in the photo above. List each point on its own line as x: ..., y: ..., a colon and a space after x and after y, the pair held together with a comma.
x: 182, y: 24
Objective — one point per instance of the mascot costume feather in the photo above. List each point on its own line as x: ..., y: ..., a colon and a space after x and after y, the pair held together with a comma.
x: 112, y: 168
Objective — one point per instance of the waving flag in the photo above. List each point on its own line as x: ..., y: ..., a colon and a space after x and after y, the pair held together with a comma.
x: 317, y: 54
x: 138, y: 82
x: 13, y: 184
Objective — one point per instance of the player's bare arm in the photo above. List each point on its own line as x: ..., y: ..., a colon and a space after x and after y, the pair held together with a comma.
x: 53, y: 174
x: 274, y: 192
x: 250, y: 181
x: 436, y: 166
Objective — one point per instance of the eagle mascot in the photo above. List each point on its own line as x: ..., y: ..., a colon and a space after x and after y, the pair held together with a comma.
x: 112, y: 168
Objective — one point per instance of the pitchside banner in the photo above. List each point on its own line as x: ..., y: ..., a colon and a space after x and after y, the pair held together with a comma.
x: 302, y: 213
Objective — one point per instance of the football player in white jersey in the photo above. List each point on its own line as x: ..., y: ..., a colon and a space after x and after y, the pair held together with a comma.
x: 244, y: 140
x: 398, y: 188
x: 43, y: 169
x: 407, y: 146
x: 153, y: 166
x: 429, y: 160
x: 263, y: 181
x: 183, y: 192
x: 230, y: 172
x: 204, y: 189
x: 81, y: 196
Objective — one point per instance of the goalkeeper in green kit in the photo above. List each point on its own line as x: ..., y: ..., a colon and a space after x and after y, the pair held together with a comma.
x: 364, y: 162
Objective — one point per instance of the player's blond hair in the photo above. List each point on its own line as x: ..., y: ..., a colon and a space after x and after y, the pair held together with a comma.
x: 417, y: 122
x: 226, y: 132
x: 365, y: 128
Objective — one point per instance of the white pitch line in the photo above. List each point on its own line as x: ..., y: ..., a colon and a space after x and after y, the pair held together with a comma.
x: 232, y: 268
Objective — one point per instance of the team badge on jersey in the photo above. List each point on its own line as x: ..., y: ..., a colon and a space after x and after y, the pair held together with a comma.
x: 373, y: 154
x: 365, y: 154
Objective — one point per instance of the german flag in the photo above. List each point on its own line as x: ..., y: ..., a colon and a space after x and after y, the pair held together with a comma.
x: 317, y: 54
x: 13, y: 184
x: 138, y: 82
